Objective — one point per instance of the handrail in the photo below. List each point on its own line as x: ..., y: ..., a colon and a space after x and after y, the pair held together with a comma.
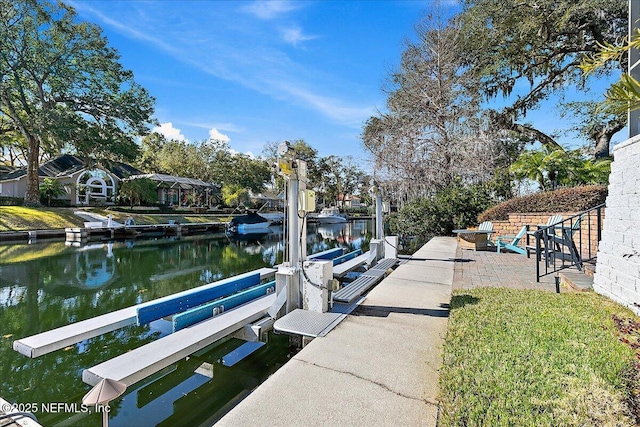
x: 569, y: 242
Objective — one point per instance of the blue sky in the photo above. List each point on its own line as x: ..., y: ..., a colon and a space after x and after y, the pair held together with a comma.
x: 252, y: 72
x: 255, y: 72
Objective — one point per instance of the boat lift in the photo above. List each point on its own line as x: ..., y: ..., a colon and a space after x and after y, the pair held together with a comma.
x: 309, y: 302
x: 306, y: 303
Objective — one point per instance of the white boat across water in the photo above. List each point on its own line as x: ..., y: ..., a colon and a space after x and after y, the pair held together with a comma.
x: 330, y: 216
x: 250, y: 223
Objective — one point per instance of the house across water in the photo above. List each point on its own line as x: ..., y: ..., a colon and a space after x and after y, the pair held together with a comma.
x: 89, y: 183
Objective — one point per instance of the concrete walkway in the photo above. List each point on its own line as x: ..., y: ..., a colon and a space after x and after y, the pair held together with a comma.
x: 91, y: 216
x: 379, y: 367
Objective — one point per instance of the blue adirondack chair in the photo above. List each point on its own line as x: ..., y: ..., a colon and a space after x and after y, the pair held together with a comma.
x: 487, y: 226
x: 511, y: 242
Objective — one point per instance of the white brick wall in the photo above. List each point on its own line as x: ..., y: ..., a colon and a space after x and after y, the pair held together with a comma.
x: 618, y: 269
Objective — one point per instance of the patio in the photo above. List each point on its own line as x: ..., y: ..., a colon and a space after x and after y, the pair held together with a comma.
x: 509, y: 270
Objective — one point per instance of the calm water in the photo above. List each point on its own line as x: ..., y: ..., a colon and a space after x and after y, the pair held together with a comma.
x: 44, y: 286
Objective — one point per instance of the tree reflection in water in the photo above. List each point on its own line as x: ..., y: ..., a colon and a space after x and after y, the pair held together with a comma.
x: 56, y: 285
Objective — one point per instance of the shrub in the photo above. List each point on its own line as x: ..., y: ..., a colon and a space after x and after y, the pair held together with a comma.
x: 457, y: 206
x: 362, y: 210
x: 11, y: 201
x: 138, y: 191
x: 563, y: 200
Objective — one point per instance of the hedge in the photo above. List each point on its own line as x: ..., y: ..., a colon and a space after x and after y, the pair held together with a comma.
x: 11, y: 201
x: 572, y: 199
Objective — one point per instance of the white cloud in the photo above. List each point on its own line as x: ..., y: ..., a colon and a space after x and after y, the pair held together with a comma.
x: 254, y: 63
x: 246, y: 153
x: 169, y: 131
x: 216, y: 135
x: 269, y: 9
x: 294, y: 36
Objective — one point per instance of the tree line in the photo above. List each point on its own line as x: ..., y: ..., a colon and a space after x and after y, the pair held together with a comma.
x: 456, y: 105
x: 63, y: 89
x: 455, y: 125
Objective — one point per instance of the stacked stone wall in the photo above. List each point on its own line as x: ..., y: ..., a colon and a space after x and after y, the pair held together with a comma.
x: 618, y: 268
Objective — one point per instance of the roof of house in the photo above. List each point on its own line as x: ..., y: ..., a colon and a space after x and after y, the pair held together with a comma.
x: 5, y: 169
x: 67, y: 165
x: 176, y: 181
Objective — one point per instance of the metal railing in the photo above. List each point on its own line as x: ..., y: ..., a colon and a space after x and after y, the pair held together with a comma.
x: 571, y: 242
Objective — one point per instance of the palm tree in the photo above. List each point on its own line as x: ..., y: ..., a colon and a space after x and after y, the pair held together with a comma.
x: 531, y: 165
x: 51, y: 188
x: 623, y: 95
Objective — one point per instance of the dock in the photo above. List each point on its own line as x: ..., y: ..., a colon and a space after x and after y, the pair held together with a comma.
x: 77, y: 234
x: 31, y: 235
x: 55, y: 339
x: 141, y: 362
x: 96, y: 231
x: 379, y: 366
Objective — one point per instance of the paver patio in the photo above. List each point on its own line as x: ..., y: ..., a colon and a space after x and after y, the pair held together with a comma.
x: 501, y: 270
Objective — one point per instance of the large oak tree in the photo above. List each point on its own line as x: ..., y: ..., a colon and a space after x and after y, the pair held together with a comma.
x: 529, y: 50
x: 61, y: 84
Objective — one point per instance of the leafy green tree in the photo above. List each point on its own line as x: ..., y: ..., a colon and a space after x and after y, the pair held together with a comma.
x: 552, y: 168
x: 61, y: 84
x: 597, y: 123
x: 235, y: 195
x: 50, y: 189
x: 138, y: 191
x: 151, y: 146
x: 208, y: 160
x: 456, y: 206
x: 511, y: 44
x: 340, y: 175
x: 248, y: 172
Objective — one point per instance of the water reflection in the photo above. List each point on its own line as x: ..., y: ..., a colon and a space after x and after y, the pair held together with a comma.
x: 44, y: 286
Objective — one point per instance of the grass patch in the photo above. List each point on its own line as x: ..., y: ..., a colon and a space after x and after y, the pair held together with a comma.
x: 19, y: 218
x: 534, y: 358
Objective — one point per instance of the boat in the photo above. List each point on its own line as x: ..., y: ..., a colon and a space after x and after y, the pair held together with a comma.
x: 331, y: 216
x: 249, y: 223
x: 274, y: 217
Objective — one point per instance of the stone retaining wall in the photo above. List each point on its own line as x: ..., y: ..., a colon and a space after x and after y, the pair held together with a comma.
x: 618, y: 269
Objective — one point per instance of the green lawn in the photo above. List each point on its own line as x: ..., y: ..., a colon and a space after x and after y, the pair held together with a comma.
x: 16, y: 218
x: 534, y: 358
